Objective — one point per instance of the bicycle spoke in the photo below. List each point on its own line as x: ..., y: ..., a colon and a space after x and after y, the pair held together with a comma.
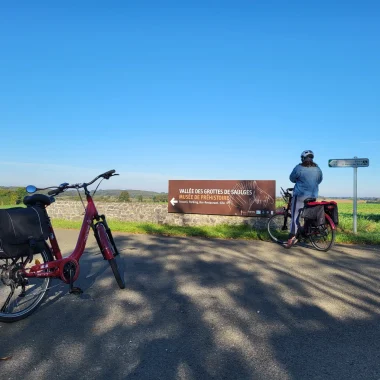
x: 323, y: 238
x: 278, y: 228
x: 4, y: 307
x: 19, y: 296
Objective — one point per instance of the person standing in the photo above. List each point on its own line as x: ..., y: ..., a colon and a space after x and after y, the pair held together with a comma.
x: 307, y: 176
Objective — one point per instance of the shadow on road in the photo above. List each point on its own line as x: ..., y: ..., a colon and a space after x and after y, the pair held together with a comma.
x: 207, y: 309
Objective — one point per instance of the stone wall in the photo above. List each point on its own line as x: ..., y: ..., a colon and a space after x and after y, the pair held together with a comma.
x: 147, y: 212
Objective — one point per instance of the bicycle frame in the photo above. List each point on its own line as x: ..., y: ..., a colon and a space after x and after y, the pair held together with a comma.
x: 55, y: 268
x: 33, y: 278
x: 287, y: 212
x: 322, y: 237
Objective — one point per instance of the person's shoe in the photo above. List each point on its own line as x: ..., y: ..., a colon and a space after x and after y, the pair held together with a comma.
x: 291, y: 242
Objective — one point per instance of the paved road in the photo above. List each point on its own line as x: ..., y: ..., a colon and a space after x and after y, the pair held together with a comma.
x: 197, y: 309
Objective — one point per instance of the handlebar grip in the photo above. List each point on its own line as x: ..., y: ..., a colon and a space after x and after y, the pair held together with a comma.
x: 108, y: 174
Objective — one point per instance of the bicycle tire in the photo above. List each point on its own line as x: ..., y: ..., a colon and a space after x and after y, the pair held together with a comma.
x: 116, y: 273
x: 40, y: 295
x: 275, y: 226
x: 113, y: 263
x: 324, y: 235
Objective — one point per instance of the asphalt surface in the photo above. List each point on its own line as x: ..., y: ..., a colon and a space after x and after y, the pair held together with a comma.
x: 197, y: 309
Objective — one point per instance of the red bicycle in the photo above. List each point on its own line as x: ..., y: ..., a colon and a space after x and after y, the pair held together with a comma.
x: 321, y: 236
x: 26, y: 267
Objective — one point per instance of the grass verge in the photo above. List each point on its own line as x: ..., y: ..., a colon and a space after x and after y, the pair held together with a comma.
x: 368, y: 225
x: 222, y: 231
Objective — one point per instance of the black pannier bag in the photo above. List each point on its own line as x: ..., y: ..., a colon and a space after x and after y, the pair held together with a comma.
x: 314, y: 215
x: 331, y: 208
x: 21, y: 229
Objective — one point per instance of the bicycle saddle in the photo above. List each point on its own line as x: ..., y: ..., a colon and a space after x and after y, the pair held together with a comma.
x: 307, y: 200
x: 31, y: 200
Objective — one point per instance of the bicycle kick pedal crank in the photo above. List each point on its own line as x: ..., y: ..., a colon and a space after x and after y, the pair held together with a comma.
x: 75, y: 290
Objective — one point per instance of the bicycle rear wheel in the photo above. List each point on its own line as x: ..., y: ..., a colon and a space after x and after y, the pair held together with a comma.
x: 279, y: 227
x: 17, y: 302
x: 322, y: 238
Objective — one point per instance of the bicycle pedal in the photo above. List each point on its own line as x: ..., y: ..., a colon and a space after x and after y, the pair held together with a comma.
x: 76, y: 291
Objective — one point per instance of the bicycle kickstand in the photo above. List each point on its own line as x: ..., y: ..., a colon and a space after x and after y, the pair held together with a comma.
x: 74, y: 289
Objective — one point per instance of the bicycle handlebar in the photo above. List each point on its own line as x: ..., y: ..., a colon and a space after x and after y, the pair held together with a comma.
x: 65, y: 186
x: 288, y: 189
x: 106, y: 175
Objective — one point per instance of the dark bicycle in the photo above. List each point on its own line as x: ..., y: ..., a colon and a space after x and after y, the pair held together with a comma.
x: 321, y: 236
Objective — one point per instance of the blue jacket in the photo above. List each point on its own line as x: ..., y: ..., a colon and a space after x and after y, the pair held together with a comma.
x: 306, y: 180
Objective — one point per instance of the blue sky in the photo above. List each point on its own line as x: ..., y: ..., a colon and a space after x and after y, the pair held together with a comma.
x: 163, y: 90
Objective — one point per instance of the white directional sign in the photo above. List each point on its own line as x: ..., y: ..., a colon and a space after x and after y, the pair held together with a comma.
x: 173, y: 201
x: 349, y: 163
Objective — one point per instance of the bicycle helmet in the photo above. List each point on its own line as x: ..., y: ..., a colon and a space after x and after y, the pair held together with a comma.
x: 307, y: 153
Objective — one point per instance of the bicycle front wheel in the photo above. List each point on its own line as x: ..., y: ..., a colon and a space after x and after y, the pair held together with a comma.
x: 322, y: 238
x: 116, y: 273
x: 20, y: 296
x: 279, y: 227
x: 105, y: 245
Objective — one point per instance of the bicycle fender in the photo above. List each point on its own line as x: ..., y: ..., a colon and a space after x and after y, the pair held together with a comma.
x: 332, y: 224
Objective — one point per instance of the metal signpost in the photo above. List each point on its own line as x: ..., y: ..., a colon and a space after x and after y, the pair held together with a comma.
x: 351, y: 163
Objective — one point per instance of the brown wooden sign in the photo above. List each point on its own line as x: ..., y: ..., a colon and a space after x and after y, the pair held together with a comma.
x: 242, y: 198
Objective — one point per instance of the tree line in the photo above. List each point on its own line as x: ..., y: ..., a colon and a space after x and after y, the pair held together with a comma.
x: 12, y: 196
x: 125, y: 197
x: 15, y: 196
